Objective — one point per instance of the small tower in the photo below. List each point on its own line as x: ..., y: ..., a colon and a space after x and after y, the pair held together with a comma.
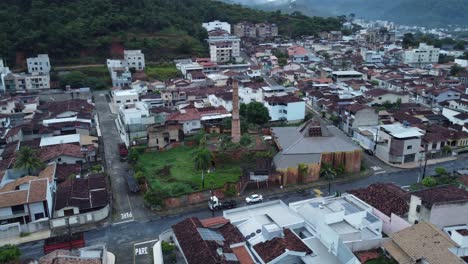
x: 235, y: 127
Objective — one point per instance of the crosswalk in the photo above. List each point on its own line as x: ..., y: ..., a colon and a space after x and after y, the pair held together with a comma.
x: 378, y: 170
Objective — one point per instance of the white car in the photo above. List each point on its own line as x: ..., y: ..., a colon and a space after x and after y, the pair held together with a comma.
x: 254, y: 198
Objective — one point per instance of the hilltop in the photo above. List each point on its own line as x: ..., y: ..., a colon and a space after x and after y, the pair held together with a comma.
x: 411, y: 12
x: 88, y: 31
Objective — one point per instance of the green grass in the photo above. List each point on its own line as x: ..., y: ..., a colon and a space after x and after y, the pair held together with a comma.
x: 162, y: 71
x: 172, y: 172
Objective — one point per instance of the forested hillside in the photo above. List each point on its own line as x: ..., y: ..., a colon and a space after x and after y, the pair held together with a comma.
x: 412, y: 12
x: 87, y: 31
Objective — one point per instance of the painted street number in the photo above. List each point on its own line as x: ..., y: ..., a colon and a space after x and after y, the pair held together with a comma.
x: 126, y: 215
x: 141, y: 251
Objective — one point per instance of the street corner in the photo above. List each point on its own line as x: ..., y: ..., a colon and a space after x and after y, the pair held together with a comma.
x: 143, y: 252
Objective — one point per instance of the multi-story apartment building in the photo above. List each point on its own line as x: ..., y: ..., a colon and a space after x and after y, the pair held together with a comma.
x: 135, y: 59
x: 4, y: 70
x: 26, y: 82
x: 245, y: 29
x: 39, y: 64
x: 224, y: 48
x: 266, y: 30
x: 261, y: 30
x: 422, y: 56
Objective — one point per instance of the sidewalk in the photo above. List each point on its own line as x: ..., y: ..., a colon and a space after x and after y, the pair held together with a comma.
x: 413, y: 165
x: 40, y: 235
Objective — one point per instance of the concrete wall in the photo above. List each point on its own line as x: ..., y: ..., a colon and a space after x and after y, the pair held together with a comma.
x: 61, y: 212
x: 392, y: 98
x: 356, y: 246
x: 391, y: 224
x: 365, y: 117
x: 66, y: 160
x: 37, y: 208
x: 80, y: 219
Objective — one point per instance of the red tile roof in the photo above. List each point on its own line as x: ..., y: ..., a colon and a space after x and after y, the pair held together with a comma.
x: 198, y: 250
x: 271, y: 249
x: 385, y: 197
x: 50, y: 152
x: 214, y: 221
x: 441, y: 194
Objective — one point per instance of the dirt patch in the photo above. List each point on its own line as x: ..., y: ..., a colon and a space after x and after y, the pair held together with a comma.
x: 165, y: 172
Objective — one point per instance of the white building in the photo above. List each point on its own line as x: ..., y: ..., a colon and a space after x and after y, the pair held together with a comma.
x: 132, y: 122
x: 119, y: 73
x: 462, y: 63
x: 422, y: 56
x: 340, y: 76
x: 39, y: 64
x: 261, y: 224
x: 224, y: 48
x: 370, y: 56
x: 3, y: 72
x: 209, y: 26
x: 285, y: 108
x: 116, y: 64
x: 135, y: 59
x: 121, y: 97
x: 249, y: 93
x: 26, y: 82
x: 346, y: 219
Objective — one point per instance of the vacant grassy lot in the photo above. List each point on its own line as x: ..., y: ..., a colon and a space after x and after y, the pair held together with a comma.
x: 162, y: 71
x: 172, y: 173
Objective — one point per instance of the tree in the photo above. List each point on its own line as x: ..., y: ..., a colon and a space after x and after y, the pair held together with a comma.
x: 429, y: 182
x: 27, y: 159
x: 9, y: 253
x: 398, y: 103
x: 408, y: 40
x: 328, y: 172
x: 457, y: 70
x: 255, y: 113
x: 75, y: 79
x: 133, y: 155
x: 202, y: 161
x: 465, y: 55
x: 440, y: 171
x: 245, y: 140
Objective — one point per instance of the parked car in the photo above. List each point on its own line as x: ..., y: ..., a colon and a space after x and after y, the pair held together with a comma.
x: 254, y: 198
x: 123, y: 151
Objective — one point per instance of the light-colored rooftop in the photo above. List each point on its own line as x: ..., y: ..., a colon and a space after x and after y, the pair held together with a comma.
x: 65, y: 139
x: 346, y: 73
x: 398, y: 130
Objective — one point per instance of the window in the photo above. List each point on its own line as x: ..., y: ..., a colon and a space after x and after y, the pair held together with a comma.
x: 128, y: 101
x: 17, y: 209
x: 418, y: 208
x: 39, y: 216
x: 118, y: 101
x: 409, y: 147
x: 59, y: 159
x: 434, y: 145
x: 68, y: 212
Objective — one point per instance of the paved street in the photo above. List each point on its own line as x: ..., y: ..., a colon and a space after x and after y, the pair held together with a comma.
x: 126, y: 206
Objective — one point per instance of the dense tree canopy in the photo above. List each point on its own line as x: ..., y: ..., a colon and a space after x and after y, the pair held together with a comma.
x: 91, y: 30
x: 254, y: 113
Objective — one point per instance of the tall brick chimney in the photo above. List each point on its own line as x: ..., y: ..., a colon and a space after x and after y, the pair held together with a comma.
x: 235, y: 127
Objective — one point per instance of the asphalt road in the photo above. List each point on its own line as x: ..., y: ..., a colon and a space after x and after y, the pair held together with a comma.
x: 126, y: 206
